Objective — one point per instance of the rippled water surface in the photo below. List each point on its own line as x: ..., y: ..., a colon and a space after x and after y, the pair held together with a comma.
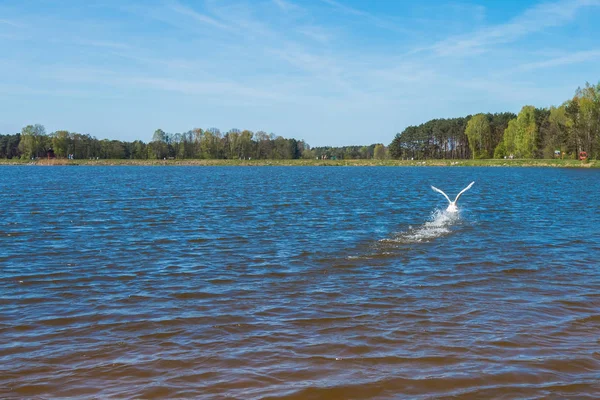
x: 301, y: 283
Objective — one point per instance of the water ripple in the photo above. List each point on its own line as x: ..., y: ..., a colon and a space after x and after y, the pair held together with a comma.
x: 298, y: 283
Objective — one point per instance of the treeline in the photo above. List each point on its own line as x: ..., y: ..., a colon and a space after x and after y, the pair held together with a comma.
x: 234, y: 144
x: 565, y: 131
x: 374, y: 151
x: 446, y: 138
x: 33, y: 142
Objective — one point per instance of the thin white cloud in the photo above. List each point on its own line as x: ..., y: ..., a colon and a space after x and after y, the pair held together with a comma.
x: 293, y: 61
x: 103, y: 43
x: 316, y: 33
x: 22, y: 90
x: 204, y: 19
x: 371, y: 18
x: 406, y: 73
x: 245, y: 19
x: 73, y: 75
x: 221, y: 89
x: 286, y: 6
x: 11, y: 23
x: 535, y: 19
x: 567, y: 59
x: 10, y: 36
x: 321, y: 68
x: 109, y: 77
x: 346, y: 9
x: 162, y: 62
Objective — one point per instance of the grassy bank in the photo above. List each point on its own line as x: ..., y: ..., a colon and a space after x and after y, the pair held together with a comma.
x: 399, y: 163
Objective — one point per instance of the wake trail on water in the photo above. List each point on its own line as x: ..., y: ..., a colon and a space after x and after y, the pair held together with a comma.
x: 439, y: 225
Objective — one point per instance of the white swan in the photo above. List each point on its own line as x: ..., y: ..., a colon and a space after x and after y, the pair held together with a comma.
x: 452, y: 206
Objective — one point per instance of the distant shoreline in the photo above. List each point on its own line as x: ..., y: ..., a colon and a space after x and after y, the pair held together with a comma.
x: 305, y: 162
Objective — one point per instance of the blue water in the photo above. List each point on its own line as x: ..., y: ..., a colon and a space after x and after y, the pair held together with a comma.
x: 299, y: 282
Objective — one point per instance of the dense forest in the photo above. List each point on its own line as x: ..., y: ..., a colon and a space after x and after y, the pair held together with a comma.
x: 33, y: 142
x: 563, y: 131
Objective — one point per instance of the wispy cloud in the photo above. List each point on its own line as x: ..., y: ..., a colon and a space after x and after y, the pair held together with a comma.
x: 346, y: 9
x: 289, y: 63
x: 408, y: 72
x: 316, y: 33
x: 11, y: 23
x: 222, y: 89
x: 317, y: 67
x: 366, y: 16
x: 566, y: 59
x: 10, y: 36
x: 245, y: 18
x: 286, y: 6
x: 204, y: 19
x: 74, y: 75
x: 532, y: 20
x: 25, y: 90
x: 103, y: 43
x: 109, y: 77
x: 161, y: 63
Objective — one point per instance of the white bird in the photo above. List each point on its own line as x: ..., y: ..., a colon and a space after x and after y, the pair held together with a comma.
x: 452, y: 206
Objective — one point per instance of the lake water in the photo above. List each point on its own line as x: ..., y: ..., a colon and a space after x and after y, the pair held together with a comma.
x: 299, y: 283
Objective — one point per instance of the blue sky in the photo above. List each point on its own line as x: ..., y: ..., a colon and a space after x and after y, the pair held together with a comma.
x: 331, y: 72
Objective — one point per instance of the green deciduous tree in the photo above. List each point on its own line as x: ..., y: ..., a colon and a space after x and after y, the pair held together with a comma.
x: 526, y: 132
x: 159, y: 147
x: 479, y: 134
x: 61, y: 141
x: 33, y: 141
x: 520, y: 136
x: 380, y: 152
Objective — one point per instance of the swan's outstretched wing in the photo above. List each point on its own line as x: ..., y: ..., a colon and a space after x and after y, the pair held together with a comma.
x: 439, y: 191
x: 464, y: 190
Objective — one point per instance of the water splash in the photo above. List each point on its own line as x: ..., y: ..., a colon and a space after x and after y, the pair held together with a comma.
x: 439, y: 225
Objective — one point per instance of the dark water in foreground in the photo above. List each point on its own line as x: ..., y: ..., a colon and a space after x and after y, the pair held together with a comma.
x: 302, y: 283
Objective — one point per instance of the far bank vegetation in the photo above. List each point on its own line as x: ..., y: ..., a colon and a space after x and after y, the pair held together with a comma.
x: 563, y: 131
x: 535, y: 133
